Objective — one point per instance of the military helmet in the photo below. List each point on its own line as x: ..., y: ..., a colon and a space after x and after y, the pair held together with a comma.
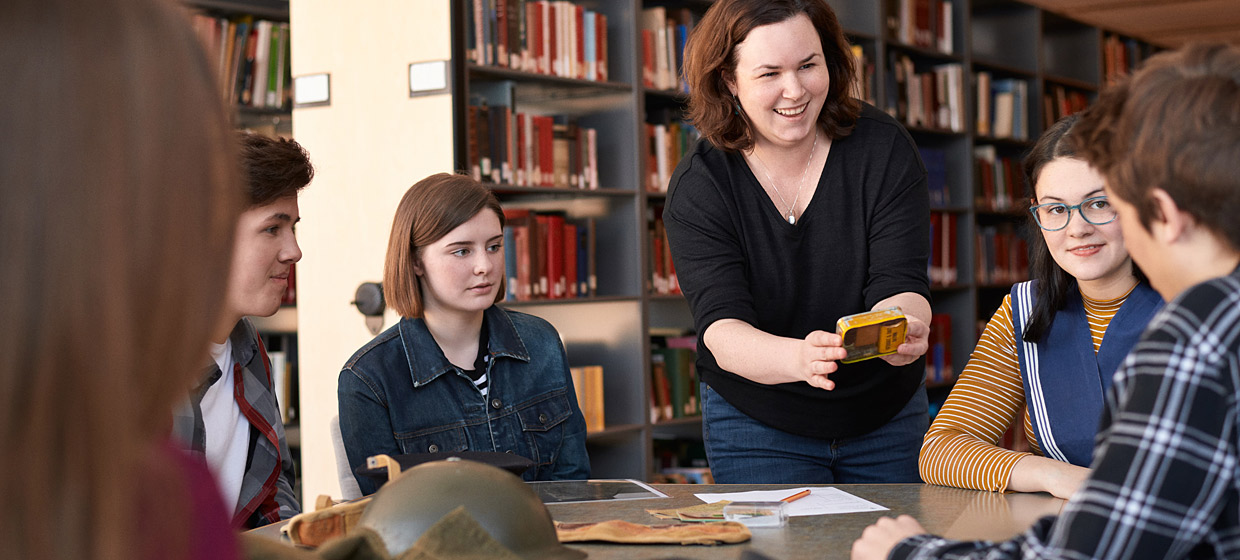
x: 508, y: 509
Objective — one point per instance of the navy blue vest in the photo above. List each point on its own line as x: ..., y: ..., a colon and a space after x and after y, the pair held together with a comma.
x: 1065, y: 381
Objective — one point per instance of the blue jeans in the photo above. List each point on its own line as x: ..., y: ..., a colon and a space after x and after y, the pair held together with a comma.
x: 742, y: 450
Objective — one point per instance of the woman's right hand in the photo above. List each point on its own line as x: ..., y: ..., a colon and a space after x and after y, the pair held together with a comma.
x: 1043, y: 474
x: 765, y: 358
x: 818, y: 357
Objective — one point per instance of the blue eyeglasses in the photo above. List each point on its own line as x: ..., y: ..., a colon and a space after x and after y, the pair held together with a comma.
x: 1054, y: 216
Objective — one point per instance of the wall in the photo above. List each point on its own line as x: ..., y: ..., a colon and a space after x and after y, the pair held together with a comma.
x: 368, y: 146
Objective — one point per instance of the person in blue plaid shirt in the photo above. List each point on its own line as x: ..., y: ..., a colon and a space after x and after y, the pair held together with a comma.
x: 1165, y: 480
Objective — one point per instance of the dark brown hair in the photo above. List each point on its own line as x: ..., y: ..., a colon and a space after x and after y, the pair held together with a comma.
x: 1174, y: 125
x: 274, y: 167
x: 710, y: 61
x: 430, y: 209
x: 1054, y: 283
x: 120, y: 194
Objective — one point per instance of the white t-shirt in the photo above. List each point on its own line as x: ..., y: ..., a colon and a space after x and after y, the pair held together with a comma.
x: 227, y: 431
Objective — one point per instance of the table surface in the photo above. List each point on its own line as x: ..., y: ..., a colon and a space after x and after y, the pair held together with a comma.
x: 952, y: 512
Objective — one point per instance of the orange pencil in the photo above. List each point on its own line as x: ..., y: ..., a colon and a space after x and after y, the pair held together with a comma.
x: 796, y: 496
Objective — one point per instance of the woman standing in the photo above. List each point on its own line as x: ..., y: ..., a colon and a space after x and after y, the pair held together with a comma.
x: 801, y: 205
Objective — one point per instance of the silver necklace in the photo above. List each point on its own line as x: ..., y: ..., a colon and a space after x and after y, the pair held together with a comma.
x: 792, y: 219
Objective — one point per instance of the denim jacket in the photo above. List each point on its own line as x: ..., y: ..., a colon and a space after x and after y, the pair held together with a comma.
x: 400, y: 395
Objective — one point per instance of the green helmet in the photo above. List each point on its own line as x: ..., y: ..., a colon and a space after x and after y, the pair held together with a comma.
x: 502, y: 504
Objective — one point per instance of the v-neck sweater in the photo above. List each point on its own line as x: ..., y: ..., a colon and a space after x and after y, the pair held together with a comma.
x: 863, y: 237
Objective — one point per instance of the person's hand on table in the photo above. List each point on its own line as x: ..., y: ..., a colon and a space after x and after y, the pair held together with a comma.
x: 916, y: 343
x: 818, y: 354
x: 878, y: 539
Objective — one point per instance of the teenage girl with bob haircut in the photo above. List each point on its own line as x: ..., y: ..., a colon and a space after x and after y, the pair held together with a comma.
x: 800, y: 205
x: 1052, y: 346
x: 458, y: 373
x: 120, y: 189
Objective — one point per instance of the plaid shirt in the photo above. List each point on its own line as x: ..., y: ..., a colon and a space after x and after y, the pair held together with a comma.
x: 267, y: 487
x: 1165, y: 479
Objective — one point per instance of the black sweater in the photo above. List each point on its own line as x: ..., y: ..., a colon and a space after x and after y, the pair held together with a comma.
x: 862, y: 238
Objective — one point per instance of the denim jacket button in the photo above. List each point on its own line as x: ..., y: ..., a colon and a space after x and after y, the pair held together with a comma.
x: 496, y: 404
x: 542, y: 418
x: 433, y: 448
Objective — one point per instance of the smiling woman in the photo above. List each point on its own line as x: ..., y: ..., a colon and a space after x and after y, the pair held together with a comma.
x: 1047, y: 355
x: 802, y: 205
x: 458, y: 373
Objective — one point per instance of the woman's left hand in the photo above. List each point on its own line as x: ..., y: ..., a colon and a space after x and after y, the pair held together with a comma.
x: 916, y: 342
x: 878, y: 539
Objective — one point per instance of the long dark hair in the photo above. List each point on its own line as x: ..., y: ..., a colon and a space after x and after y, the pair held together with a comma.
x: 1054, y: 284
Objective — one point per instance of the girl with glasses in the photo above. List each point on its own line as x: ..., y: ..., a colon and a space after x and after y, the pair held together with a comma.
x: 1049, y: 351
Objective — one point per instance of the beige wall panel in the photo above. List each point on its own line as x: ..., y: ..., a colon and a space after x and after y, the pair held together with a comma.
x: 368, y: 146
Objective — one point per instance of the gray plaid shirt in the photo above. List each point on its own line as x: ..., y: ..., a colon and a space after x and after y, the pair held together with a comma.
x: 267, y: 487
x: 1166, y: 469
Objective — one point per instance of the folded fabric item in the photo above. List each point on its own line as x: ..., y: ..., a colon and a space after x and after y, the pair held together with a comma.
x: 701, y: 512
x: 457, y: 536
x: 314, y: 528
x: 512, y: 463
x: 617, y: 531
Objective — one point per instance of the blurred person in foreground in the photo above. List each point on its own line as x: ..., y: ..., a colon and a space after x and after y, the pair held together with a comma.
x: 118, y: 195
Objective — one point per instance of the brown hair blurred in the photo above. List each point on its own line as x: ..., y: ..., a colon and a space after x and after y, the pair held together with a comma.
x: 1174, y: 125
x: 430, y: 209
x: 116, y: 216
x: 710, y: 60
x: 274, y: 167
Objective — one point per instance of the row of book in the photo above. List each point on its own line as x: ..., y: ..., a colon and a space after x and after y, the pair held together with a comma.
x: 1120, y: 56
x: 939, y: 369
x: 674, y: 387
x: 929, y: 99
x: 1002, y: 255
x: 547, y: 256
x: 251, y: 57
x: 662, y: 272
x: 999, y: 180
x: 1059, y: 102
x: 863, y: 85
x: 667, y: 142
x: 557, y: 37
x: 528, y: 150
x: 942, y: 267
x: 588, y: 384
x: 1002, y: 107
x: 664, y: 32
x: 921, y: 23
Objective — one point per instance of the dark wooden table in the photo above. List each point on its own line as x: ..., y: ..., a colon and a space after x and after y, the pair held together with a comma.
x: 956, y: 513
x: 952, y: 512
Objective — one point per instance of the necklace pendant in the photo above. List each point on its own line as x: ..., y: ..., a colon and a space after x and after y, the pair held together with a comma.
x: 792, y: 219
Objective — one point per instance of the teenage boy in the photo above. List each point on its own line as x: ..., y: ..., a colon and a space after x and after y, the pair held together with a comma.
x: 1165, y: 480
x: 232, y: 417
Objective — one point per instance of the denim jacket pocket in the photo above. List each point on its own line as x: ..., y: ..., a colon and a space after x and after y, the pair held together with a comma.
x: 449, y: 440
x: 543, y: 424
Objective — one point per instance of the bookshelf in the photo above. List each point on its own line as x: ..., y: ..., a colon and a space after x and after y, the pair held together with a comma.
x: 375, y: 134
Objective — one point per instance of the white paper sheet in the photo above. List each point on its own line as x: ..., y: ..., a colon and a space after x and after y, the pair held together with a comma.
x: 820, y: 501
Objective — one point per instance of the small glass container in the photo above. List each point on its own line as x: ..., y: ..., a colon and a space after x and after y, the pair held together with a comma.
x: 757, y: 514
